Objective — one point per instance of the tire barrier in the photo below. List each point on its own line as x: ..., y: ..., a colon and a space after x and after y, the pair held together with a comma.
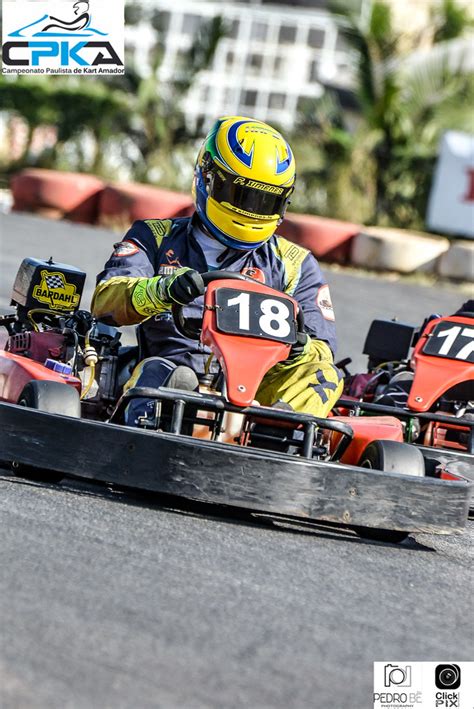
x: 400, y: 250
x: 86, y: 198
x: 328, y: 239
x: 458, y: 262
x: 55, y: 194
x: 121, y: 204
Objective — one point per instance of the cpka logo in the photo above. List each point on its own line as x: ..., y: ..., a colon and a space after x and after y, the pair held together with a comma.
x: 62, y: 37
x: 56, y: 292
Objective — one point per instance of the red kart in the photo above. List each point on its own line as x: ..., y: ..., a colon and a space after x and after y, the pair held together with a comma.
x: 62, y: 413
x: 429, y: 387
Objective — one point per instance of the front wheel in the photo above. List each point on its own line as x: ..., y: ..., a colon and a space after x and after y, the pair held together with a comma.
x: 390, y: 457
x: 53, y: 398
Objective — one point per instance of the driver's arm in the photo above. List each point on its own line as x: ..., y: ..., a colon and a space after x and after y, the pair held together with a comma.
x: 313, y: 296
x: 308, y: 380
x: 128, y: 291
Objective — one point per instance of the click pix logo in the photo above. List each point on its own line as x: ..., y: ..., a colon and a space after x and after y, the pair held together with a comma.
x: 63, y: 37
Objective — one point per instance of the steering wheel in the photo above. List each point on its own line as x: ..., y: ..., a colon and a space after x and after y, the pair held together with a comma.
x: 191, y: 327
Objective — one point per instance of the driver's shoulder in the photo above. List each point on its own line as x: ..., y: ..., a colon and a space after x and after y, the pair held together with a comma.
x: 287, y: 251
x: 154, y: 231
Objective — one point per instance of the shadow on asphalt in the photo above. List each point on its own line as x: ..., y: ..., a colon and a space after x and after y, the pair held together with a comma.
x: 201, y: 510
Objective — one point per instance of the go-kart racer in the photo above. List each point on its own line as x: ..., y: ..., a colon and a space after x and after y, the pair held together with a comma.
x: 243, y: 179
x: 397, y: 391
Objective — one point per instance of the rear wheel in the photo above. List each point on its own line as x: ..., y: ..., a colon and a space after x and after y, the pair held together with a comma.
x: 390, y: 457
x: 53, y: 398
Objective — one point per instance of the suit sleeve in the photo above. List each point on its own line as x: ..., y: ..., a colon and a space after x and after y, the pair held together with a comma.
x: 312, y: 293
x: 126, y: 290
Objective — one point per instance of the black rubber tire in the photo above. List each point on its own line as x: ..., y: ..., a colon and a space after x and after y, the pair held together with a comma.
x: 390, y: 457
x: 54, y: 398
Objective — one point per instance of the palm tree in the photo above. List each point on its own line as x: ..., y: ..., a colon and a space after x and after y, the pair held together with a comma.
x: 406, y: 101
x: 159, y: 126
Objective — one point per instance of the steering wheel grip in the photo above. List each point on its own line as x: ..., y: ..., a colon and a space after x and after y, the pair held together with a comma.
x: 191, y: 327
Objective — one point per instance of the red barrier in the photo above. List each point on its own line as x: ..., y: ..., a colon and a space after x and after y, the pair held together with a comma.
x: 57, y: 194
x: 328, y: 239
x: 86, y: 198
x: 123, y: 204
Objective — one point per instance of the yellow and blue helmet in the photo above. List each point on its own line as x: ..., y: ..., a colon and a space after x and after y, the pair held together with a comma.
x: 243, y: 179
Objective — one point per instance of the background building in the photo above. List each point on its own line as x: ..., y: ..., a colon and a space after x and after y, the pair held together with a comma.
x: 271, y: 58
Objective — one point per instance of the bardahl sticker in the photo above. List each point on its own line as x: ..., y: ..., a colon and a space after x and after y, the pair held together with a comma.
x: 323, y: 300
x: 125, y: 248
x: 56, y: 292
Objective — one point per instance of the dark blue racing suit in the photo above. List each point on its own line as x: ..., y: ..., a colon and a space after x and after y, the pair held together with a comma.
x: 151, y: 249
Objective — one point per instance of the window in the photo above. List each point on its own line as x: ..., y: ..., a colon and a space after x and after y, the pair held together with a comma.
x: 341, y: 43
x: 287, y: 34
x: 229, y: 96
x: 314, y: 71
x: 229, y: 60
x: 133, y: 14
x: 277, y: 66
x: 259, y: 31
x: 160, y: 21
x: 232, y: 28
x: 276, y: 101
x: 316, y: 38
x: 130, y: 53
x: 248, y: 98
x: 255, y: 62
x: 191, y: 24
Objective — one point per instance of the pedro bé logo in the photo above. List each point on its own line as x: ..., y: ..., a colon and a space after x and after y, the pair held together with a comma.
x: 63, y: 37
x: 398, y: 676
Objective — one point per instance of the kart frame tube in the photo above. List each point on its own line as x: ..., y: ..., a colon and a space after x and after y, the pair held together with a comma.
x: 179, y: 398
x: 223, y: 474
x: 358, y: 406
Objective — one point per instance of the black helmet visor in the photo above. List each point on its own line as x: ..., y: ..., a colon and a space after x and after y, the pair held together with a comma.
x: 256, y: 198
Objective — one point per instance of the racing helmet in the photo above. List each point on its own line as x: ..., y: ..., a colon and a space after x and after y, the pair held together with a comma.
x: 243, y: 179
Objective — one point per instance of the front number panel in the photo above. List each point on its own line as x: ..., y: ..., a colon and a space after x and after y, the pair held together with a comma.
x: 452, y: 340
x: 255, y: 315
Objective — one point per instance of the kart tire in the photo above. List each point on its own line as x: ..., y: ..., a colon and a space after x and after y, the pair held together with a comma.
x: 54, y: 398
x: 390, y: 457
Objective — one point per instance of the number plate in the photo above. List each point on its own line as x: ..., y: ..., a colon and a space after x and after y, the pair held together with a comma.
x: 451, y: 340
x: 255, y: 315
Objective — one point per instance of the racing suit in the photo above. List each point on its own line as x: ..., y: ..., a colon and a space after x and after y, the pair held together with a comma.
x: 126, y: 294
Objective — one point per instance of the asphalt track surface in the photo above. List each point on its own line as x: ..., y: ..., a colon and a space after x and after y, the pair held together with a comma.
x: 121, y: 600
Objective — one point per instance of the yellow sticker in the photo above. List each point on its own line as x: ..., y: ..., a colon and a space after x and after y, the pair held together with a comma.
x: 55, y: 292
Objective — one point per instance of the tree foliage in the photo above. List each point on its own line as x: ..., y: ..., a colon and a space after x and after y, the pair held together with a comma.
x: 137, y: 114
x: 406, y: 100
x: 371, y: 163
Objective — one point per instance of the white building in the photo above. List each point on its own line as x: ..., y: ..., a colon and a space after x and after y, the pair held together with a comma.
x: 272, y: 57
